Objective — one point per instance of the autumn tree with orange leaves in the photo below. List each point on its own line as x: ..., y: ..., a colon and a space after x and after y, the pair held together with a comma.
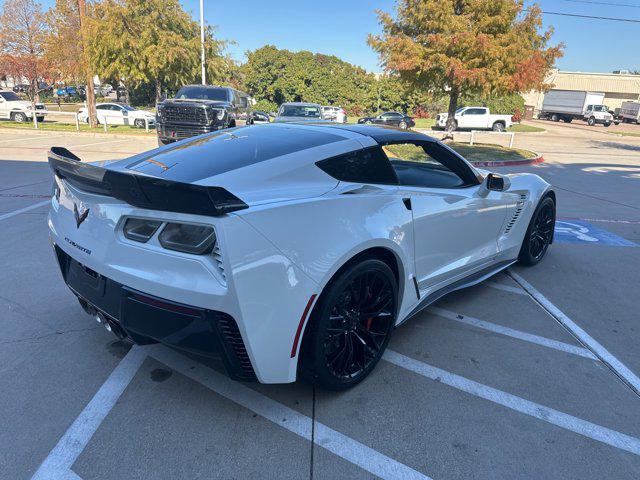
x: 466, y: 47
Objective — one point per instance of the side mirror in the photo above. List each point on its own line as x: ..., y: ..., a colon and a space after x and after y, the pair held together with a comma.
x: 272, y: 114
x: 494, y: 182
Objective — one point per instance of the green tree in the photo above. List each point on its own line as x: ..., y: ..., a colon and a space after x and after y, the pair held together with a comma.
x: 466, y: 47
x: 151, y: 41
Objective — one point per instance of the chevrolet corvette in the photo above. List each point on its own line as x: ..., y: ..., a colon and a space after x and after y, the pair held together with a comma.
x: 287, y: 250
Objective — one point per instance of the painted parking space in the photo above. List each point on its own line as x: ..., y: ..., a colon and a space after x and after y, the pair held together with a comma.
x: 582, y: 232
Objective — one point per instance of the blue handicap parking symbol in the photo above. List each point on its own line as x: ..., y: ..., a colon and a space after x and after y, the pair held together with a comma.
x: 577, y: 231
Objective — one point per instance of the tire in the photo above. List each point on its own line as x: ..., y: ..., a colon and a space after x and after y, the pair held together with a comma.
x: 567, y: 119
x: 403, y: 125
x: 40, y: 119
x: 607, y: 124
x: 591, y: 122
x: 18, y: 117
x: 539, y: 234
x: 343, y: 344
x: 498, y: 127
x: 162, y: 143
x: 555, y: 117
x: 138, y: 123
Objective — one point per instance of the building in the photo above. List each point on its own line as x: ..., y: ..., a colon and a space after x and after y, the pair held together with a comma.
x: 617, y: 87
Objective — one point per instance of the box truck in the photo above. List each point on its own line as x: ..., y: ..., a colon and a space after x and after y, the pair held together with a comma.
x: 630, y: 112
x: 567, y: 105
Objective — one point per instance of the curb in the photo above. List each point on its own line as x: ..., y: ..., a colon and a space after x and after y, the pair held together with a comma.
x: 53, y: 133
x: 510, y: 163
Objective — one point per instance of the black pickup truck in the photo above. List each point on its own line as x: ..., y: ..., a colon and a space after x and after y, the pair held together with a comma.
x: 198, y: 109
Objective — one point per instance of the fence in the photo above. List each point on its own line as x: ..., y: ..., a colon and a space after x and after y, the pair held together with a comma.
x: 104, y: 119
x: 472, y: 135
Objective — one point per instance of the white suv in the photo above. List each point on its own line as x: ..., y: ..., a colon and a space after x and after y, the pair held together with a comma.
x: 335, y: 114
x: 12, y: 107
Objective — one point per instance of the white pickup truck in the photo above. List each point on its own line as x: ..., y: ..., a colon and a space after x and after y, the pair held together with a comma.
x: 12, y: 107
x: 476, y: 118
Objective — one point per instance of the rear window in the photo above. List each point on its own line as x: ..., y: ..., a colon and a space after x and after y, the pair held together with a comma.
x: 203, y: 93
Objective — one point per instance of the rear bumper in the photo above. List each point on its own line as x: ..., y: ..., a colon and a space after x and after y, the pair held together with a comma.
x: 141, y: 316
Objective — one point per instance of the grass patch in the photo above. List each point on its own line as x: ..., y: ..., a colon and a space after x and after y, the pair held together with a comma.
x: 628, y: 134
x: 71, y: 127
x: 520, y: 127
x: 420, y: 122
x: 490, y: 153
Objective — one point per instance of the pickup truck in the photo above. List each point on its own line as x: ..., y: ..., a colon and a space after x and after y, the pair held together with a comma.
x: 475, y: 118
x: 12, y: 107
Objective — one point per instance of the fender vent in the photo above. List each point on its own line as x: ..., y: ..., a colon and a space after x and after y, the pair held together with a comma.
x: 218, y: 258
x: 516, y: 214
x: 233, y: 341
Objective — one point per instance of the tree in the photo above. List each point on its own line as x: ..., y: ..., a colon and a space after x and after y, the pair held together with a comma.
x: 150, y: 41
x: 63, y: 43
x: 466, y: 47
x: 22, y: 32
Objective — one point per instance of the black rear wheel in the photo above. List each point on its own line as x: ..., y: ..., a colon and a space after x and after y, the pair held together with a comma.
x: 539, y: 234
x: 350, y: 326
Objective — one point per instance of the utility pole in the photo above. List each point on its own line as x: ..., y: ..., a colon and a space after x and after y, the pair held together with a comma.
x: 204, y: 75
x: 91, y: 97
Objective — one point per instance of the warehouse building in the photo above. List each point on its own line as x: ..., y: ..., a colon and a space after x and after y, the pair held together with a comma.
x: 617, y: 87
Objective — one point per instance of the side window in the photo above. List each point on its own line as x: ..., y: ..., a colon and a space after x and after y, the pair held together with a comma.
x: 428, y: 164
x: 368, y: 165
x: 475, y: 111
x: 243, y: 101
x: 102, y: 107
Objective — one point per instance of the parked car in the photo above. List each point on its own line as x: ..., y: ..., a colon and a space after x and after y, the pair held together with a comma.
x: 12, y: 107
x: 248, y: 247
x: 630, y: 112
x: 299, y: 112
x: 69, y: 93
x: 568, y: 105
x: 475, y: 118
x: 335, y: 114
x: 598, y: 114
x: 258, y: 116
x: 394, y: 119
x: 118, y: 114
x: 198, y: 109
x: 21, y: 88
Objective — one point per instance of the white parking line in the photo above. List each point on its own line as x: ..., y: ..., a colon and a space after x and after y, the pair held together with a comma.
x: 510, y: 332
x: 23, y: 210
x: 107, y: 142
x: 602, y: 353
x: 503, y: 287
x: 20, y: 139
x: 58, y: 463
x: 555, y: 417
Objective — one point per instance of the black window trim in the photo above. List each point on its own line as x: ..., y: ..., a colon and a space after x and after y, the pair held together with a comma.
x: 377, y: 148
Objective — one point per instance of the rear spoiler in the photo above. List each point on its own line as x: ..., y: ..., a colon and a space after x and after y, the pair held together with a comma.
x: 141, y: 190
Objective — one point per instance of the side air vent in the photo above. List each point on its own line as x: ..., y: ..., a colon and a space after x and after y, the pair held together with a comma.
x: 218, y: 258
x: 233, y: 342
x: 516, y: 214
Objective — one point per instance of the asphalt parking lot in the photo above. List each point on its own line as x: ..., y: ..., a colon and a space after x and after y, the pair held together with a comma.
x: 532, y: 374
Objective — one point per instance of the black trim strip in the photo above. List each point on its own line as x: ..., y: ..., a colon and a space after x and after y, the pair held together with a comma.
x: 143, y: 191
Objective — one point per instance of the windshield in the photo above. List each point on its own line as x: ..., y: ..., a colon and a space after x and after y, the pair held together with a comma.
x: 9, y: 96
x: 308, y: 111
x: 600, y: 108
x: 202, y: 93
x: 460, y: 109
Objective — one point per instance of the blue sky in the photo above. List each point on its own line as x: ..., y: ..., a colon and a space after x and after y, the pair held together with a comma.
x: 340, y: 27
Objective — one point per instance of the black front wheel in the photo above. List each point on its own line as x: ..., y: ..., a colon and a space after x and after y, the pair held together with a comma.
x: 350, y: 325
x: 539, y: 234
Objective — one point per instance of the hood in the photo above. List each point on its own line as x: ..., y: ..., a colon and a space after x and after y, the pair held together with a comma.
x: 25, y: 104
x: 197, y: 103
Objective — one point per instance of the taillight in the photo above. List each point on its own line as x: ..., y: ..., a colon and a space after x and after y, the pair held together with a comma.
x: 196, y: 239
x: 140, y: 229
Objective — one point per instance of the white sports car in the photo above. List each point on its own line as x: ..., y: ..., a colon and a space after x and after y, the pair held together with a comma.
x: 287, y: 249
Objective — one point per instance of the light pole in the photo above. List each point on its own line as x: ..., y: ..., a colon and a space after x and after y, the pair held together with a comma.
x: 204, y: 76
